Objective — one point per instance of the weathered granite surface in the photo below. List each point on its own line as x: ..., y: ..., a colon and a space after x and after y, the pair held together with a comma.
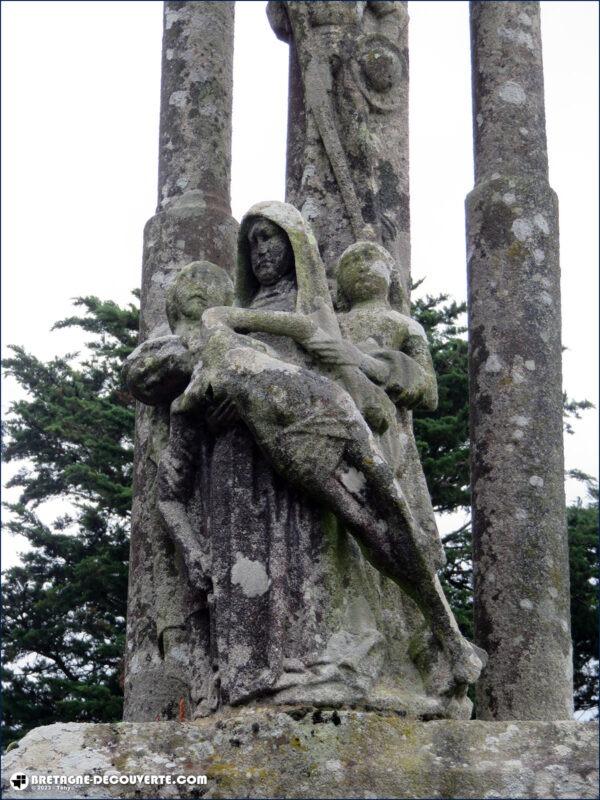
x: 262, y: 752
x: 347, y: 172
x: 192, y: 221
x: 347, y: 147
x: 520, y: 553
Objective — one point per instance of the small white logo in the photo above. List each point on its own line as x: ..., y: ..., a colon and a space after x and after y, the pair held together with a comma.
x: 19, y: 781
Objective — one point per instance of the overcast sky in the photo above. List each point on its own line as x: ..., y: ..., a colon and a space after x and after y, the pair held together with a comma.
x: 80, y: 101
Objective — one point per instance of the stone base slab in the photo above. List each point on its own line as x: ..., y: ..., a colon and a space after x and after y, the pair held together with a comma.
x: 265, y: 752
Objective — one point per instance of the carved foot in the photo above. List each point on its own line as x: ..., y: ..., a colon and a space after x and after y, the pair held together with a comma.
x: 467, y: 661
x: 211, y: 700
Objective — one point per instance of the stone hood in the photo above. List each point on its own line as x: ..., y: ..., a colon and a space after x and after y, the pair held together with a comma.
x: 313, y: 290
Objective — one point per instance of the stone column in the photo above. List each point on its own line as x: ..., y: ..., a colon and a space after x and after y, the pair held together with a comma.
x: 519, y: 532
x: 193, y: 221
x: 193, y: 218
x: 347, y: 142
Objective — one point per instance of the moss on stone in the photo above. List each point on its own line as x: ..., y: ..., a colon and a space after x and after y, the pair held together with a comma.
x: 367, y: 752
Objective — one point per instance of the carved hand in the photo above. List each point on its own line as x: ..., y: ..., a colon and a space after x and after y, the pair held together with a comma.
x: 195, y: 394
x: 222, y: 415
x: 336, y: 352
x: 217, y: 316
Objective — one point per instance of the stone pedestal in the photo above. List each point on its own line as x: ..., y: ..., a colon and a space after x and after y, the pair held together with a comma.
x: 259, y: 752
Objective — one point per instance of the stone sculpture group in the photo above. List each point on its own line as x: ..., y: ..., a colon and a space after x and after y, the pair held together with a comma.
x: 319, y: 394
x: 284, y: 546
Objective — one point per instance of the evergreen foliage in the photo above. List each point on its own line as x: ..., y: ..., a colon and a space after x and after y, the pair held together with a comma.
x: 64, y: 605
x: 443, y: 436
x: 582, y: 521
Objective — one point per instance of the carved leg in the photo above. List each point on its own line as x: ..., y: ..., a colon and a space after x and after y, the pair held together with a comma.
x: 175, y: 518
x: 365, y: 496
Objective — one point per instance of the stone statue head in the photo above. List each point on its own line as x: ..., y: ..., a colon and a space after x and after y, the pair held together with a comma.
x: 198, y: 286
x: 277, y: 244
x: 365, y: 271
x: 271, y: 254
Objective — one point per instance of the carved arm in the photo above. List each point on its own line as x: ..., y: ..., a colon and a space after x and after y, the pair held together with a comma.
x: 411, y: 380
x: 303, y: 330
x: 298, y: 327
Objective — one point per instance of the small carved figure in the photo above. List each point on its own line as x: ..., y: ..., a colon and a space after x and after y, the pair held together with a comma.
x: 398, y: 345
x: 197, y: 287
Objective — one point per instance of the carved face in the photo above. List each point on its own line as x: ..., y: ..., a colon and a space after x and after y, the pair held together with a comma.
x: 380, y: 68
x: 198, y: 286
x: 364, y: 276
x: 271, y: 254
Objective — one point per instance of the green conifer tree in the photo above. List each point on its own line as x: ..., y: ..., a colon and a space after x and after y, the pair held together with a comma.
x: 64, y: 605
x: 582, y: 522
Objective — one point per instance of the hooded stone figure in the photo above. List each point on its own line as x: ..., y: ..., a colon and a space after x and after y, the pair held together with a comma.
x: 279, y: 269
x: 387, y: 368
x: 305, y: 290
x: 297, y: 607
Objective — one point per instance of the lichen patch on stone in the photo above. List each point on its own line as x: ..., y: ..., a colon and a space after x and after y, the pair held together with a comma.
x: 540, y: 221
x: 178, y: 99
x: 250, y: 576
x: 512, y: 92
x: 522, y: 229
x: 354, y: 481
x: 493, y: 363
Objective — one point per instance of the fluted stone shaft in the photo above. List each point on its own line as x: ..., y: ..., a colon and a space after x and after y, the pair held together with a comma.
x: 193, y: 221
x: 519, y: 531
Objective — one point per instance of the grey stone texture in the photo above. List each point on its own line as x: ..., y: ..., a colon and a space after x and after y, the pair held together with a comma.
x: 520, y: 544
x: 347, y: 158
x: 277, y: 436
x: 265, y: 752
x: 277, y: 495
x: 347, y: 152
x: 193, y: 221
x: 195, y: 107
